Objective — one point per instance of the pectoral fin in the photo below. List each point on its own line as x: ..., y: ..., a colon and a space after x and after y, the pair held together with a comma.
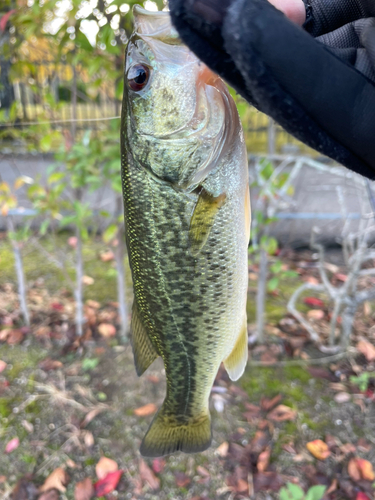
x: 143, y: 350
x: 235, y: 363
x: 203, y: 218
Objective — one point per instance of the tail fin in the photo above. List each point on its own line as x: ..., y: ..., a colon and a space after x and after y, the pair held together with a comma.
x: 166, y: 436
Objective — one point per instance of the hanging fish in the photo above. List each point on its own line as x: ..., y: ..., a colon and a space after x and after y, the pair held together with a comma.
x: 187, y: 216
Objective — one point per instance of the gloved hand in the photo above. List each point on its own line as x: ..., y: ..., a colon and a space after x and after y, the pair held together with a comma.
x: 317, y: 82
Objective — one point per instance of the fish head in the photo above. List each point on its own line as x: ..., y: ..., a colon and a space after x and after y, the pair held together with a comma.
x: 177, y: 113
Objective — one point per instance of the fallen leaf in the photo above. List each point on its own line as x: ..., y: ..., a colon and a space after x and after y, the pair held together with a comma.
x: 319, y: 449
x: 88, y: 438
x: 313, y: 302
x: 281, y: 413
x: 267, y: 404
x: 148, y: 476
x: 222, y: 450
x: 50, y: 364
x: 182, y: 480
x: 52, y: 494
x: 5, y: 18
x: 84, y: 490
x: 107, y: 330
x: 359, y: 468
x: 3, y: 365
x: 3, y: 479
x: 316, y: 314
x: 242, y: 486
x: 93, y: 303
x: 57, y: 306
x: 264, y: 459
x: 362, y: 496
x: 202, y: 471
x: 146, y: 410
x: 367, y: 349
x: 267, y: 481
x: 107, y: 256
x: 105, y: 466
x: 12, y: 445
x: 57, y: 479
x: 72, y: 241
x: 348, y: 448
x: 28, y: 426
x: 342, y: 397
x: 15, y: 337
x: 158, y: 465
x: 91, y: 415
x: 341, y: 277
x: 88, y: 280
x: 108, y: 483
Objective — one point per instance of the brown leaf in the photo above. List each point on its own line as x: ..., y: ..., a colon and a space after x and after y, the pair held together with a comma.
x: 359, y: 468
x: 148, y: 476
x: 182, y: 480
x: 202, y: 471
x: 88, y: 280
x: 93, y: 304
x: 52, y: 494
x: 259, y: 442
x: 242, y: 486
x: 267, y: 481
x: 315, y: 314
x: 367, y: 349
x: 57, y: 479
x: 105, y: 466
x: 348, y: 448
x: 15, y: 337
x: 91, y: 415
x: 264, y: 459
x: 319, y: 449
x: 107, y: 256
x: 107, y: 330
x: 267, y: 404
x: 50, y: 364
x: 84, y: 490
x: 282, y: 413
x: 222, y: 450
x: 146, y: 410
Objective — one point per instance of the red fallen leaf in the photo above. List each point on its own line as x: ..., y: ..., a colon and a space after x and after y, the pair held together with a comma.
x: 4, y: 19
x: 12, y: 445
x: 182, y: 480
x: 362, y: 496
x: 56, y: 306
x: 148, y: 476
x: 158, y: 465
x: 313, y: 302
x: 281, y: 413
x: 108, y: 483
x: 359, y: 468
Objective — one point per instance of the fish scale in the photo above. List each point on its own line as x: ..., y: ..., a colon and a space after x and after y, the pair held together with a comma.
x: 187, y: 240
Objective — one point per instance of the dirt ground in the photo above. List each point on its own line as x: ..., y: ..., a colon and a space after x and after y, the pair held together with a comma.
x: 66, y: 403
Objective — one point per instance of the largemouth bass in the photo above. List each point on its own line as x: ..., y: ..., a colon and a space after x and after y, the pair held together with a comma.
x: 187, y: 217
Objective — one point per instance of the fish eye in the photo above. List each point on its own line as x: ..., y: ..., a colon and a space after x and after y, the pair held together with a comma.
x: 138, y: 76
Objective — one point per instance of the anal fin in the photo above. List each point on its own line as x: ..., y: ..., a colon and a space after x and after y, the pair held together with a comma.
x: 143, y: 349
x: 203, y: 219
x: 235, y: 363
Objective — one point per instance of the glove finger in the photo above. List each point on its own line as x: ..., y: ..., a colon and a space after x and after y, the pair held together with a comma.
x: 348, y: 36
x: 325, y: 16
x: 316, y: 96
x: 204, y: 38
x: 368, y: 40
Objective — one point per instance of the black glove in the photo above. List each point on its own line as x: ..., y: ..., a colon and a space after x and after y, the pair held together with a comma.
x: 321, y: 89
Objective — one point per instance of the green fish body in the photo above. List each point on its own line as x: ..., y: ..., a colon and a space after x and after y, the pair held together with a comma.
x: 187, y: 217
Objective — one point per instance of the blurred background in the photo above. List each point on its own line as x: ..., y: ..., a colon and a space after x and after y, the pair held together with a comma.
x: 69, y: 396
